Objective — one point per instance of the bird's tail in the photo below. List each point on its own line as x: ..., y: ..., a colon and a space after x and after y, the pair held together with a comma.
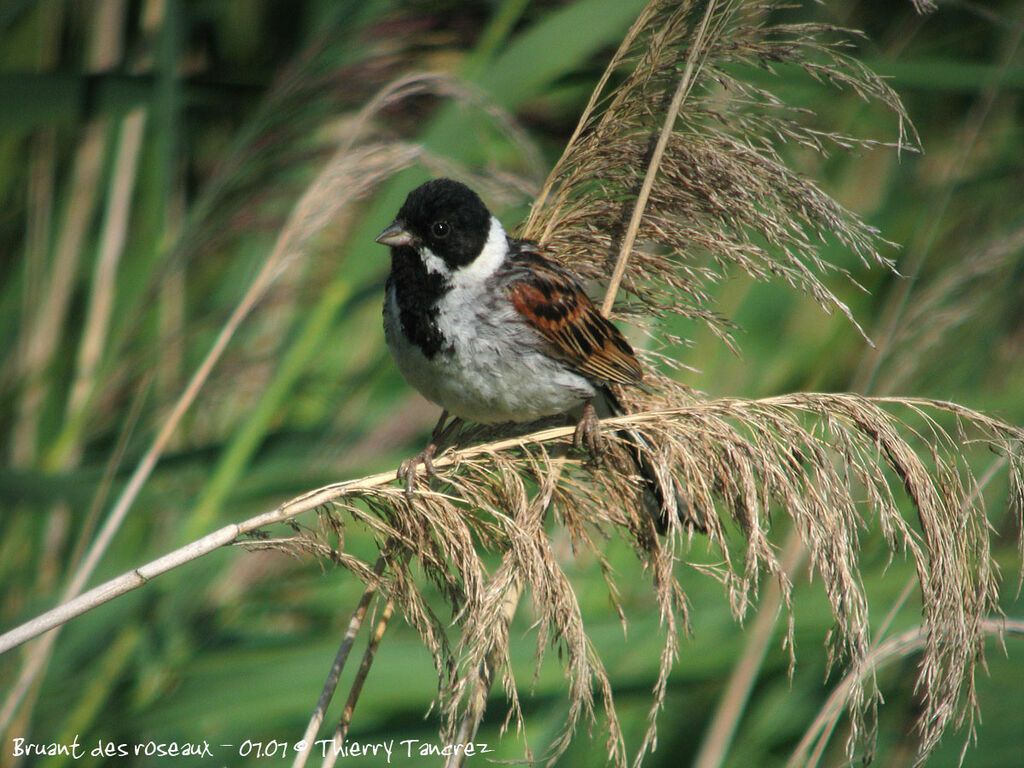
x: 662, y: 495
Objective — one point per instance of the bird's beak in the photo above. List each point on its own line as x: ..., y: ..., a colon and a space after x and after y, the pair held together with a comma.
x: 395, y: 235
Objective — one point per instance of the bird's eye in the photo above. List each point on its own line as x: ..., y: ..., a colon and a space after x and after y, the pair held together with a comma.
x: 440, y: 229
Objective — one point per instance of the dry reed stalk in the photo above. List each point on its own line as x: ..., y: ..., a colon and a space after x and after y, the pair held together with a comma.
x: 345, y: 720
x: 39, y: 345
x: 101, y: 296
x: 746, y: 452
x: 719, y: 196
x: 354, y: 625
x: 897, y: 647
x: 718, y: 736
x: 43, y: 332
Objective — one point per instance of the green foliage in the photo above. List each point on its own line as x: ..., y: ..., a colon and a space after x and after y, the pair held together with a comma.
x: 124, y: 261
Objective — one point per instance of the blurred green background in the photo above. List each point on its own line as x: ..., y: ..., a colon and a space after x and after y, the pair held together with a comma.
x: 151, y: 151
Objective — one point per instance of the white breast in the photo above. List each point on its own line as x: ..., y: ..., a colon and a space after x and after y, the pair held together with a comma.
x: 492, y: 369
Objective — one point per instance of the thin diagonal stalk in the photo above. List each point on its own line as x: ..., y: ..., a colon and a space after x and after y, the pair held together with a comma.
x: 331, y: 684
x: 357, y: 685
x: 897, y: 647
x: 667, y: 128
x: 485, y: 674
x: 642, y: 20
x: 145, y: 467
x: 734, y: 698
x: 825, y: 729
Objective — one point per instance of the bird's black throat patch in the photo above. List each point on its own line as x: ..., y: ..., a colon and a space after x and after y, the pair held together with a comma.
x: 417, y: 291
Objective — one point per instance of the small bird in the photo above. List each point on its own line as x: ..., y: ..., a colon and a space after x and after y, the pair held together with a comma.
x: 485, y: 326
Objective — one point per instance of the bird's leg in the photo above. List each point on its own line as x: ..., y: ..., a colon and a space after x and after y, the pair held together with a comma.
x: 588, y: 433
x: 407, y: 469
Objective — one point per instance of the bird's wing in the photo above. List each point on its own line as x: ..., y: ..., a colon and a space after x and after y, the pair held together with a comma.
x: 552, y: 301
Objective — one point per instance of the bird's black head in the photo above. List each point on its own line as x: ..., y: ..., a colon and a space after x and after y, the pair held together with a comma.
x: 445, y: 216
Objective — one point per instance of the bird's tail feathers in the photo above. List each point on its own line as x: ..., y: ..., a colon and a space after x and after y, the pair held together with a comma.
x: 662, y: 496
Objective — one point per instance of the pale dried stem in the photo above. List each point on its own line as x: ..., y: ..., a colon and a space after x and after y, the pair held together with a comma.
x: 654, y: 164
x: 897, y: 647
x: 827, y: 729
x: 733, y: 701
x: 357, y: 684
x: 638, y: 26
x: 101, y: 296
x: 331, y: 684
x: 477, y: 703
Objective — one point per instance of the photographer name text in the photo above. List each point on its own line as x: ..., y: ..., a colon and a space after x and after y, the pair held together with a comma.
x: 382, y: 750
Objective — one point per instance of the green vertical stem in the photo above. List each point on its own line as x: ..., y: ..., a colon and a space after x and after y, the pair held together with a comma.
x: 40, y: 198
x: 104, y: 287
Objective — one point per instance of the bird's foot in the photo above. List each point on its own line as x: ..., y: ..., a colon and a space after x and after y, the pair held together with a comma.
x: 588, y: 434
x: 407, y: 469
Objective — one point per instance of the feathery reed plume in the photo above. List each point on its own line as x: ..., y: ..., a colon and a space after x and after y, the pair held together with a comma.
x: 671, y: 178
x: 831, y: 462
x: 721, y: 194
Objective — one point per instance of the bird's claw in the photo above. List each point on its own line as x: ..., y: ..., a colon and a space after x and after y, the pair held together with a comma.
x: 588, y: 435
x: 407, y: 469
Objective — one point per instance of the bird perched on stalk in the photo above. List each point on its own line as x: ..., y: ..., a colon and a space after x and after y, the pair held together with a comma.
x: 492, y: 331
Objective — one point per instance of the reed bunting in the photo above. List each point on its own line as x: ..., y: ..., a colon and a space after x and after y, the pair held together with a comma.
x: 492, y: 331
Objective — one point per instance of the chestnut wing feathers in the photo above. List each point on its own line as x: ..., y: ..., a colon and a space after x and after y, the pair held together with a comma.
x: 552, y: 301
